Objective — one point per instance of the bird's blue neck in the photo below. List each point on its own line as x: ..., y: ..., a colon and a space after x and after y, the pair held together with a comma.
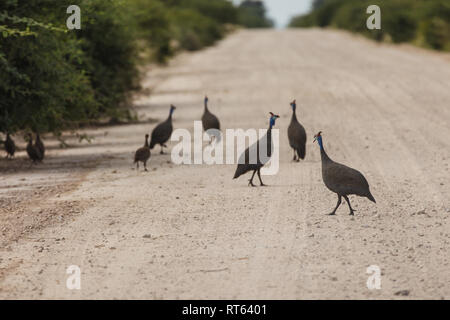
x: 319, y: 141
x: 171, y: 112
x: 272, y: 123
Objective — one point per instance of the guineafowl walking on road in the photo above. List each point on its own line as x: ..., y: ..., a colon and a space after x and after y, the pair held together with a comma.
x: 265, y: 144
x: 10, y: 146
x: 40, y: 145
x: 210, y: 121
x: 142, y: 154
x: 162, y: 132
x: 342, y: 180
x: 32, y: 150
x: 297, y: 135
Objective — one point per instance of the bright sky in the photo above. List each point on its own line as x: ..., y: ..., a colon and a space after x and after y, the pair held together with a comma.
x: 281, y: 11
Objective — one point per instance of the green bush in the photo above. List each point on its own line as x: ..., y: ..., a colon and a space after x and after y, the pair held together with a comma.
x: 194, y: 30
x: 437, y: 33
x: 401, y: 20
x: 252, y: 14
x: 53, y: 79
x: 151, y: 24
x: 43, y: 86
x: 110, y: 55
x: 219, y: 11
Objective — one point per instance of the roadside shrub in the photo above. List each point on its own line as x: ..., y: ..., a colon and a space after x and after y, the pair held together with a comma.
x: 42, y: 86
x: 437, y: 33
x: 416, y: 21
x: 53, y: 79
x: 252, y: 14
x: 194, y: 30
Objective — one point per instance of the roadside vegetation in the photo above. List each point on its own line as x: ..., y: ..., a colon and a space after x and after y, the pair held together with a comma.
x: 252, y: 14
x: 425, y: 23
x: 52, y: 78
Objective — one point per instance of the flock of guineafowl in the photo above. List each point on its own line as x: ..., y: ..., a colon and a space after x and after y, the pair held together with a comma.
x: 36, y: 151
x: 338, y: 178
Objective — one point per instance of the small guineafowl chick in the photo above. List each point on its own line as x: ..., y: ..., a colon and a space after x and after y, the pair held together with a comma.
x: 142, y: 154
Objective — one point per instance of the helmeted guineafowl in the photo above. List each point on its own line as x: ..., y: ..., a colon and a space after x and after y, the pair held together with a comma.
x: 40, y: 145
x: 297, y: 135
x: 142, y: 154
x: 10, y: 146
x: 33, y: 152
x: 210, y: 121
x: 162, y: 132
x: 342, y: 180
x: 246, y: 164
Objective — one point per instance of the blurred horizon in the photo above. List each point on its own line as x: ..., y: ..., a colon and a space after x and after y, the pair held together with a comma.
x: 281, y: 11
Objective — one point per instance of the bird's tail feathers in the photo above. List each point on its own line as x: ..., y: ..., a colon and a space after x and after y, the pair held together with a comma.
x: 301, y: 153
x: 238, y: 172
x: 371, y: 198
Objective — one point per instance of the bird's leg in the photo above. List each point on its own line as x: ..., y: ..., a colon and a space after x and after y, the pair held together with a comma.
x: 350, y: 207
x: 145, y: 165
x: 250, y: 182
x: 162, y: 151
x: 259, y: 176
x: 137, y: 165
x: 295, y: 156
x: 337, y: 205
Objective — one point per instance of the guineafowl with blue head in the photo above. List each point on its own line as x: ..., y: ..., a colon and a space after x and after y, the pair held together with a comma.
x: 245, y: 164
x: 342, y: 180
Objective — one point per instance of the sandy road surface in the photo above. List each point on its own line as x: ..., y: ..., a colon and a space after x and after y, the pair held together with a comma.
x: 193, y: 232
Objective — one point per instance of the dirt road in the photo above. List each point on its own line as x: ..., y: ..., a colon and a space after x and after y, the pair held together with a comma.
x: 192, y: 232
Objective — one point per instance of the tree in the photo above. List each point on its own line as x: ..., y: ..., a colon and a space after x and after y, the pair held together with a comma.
x: 252, y: 14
